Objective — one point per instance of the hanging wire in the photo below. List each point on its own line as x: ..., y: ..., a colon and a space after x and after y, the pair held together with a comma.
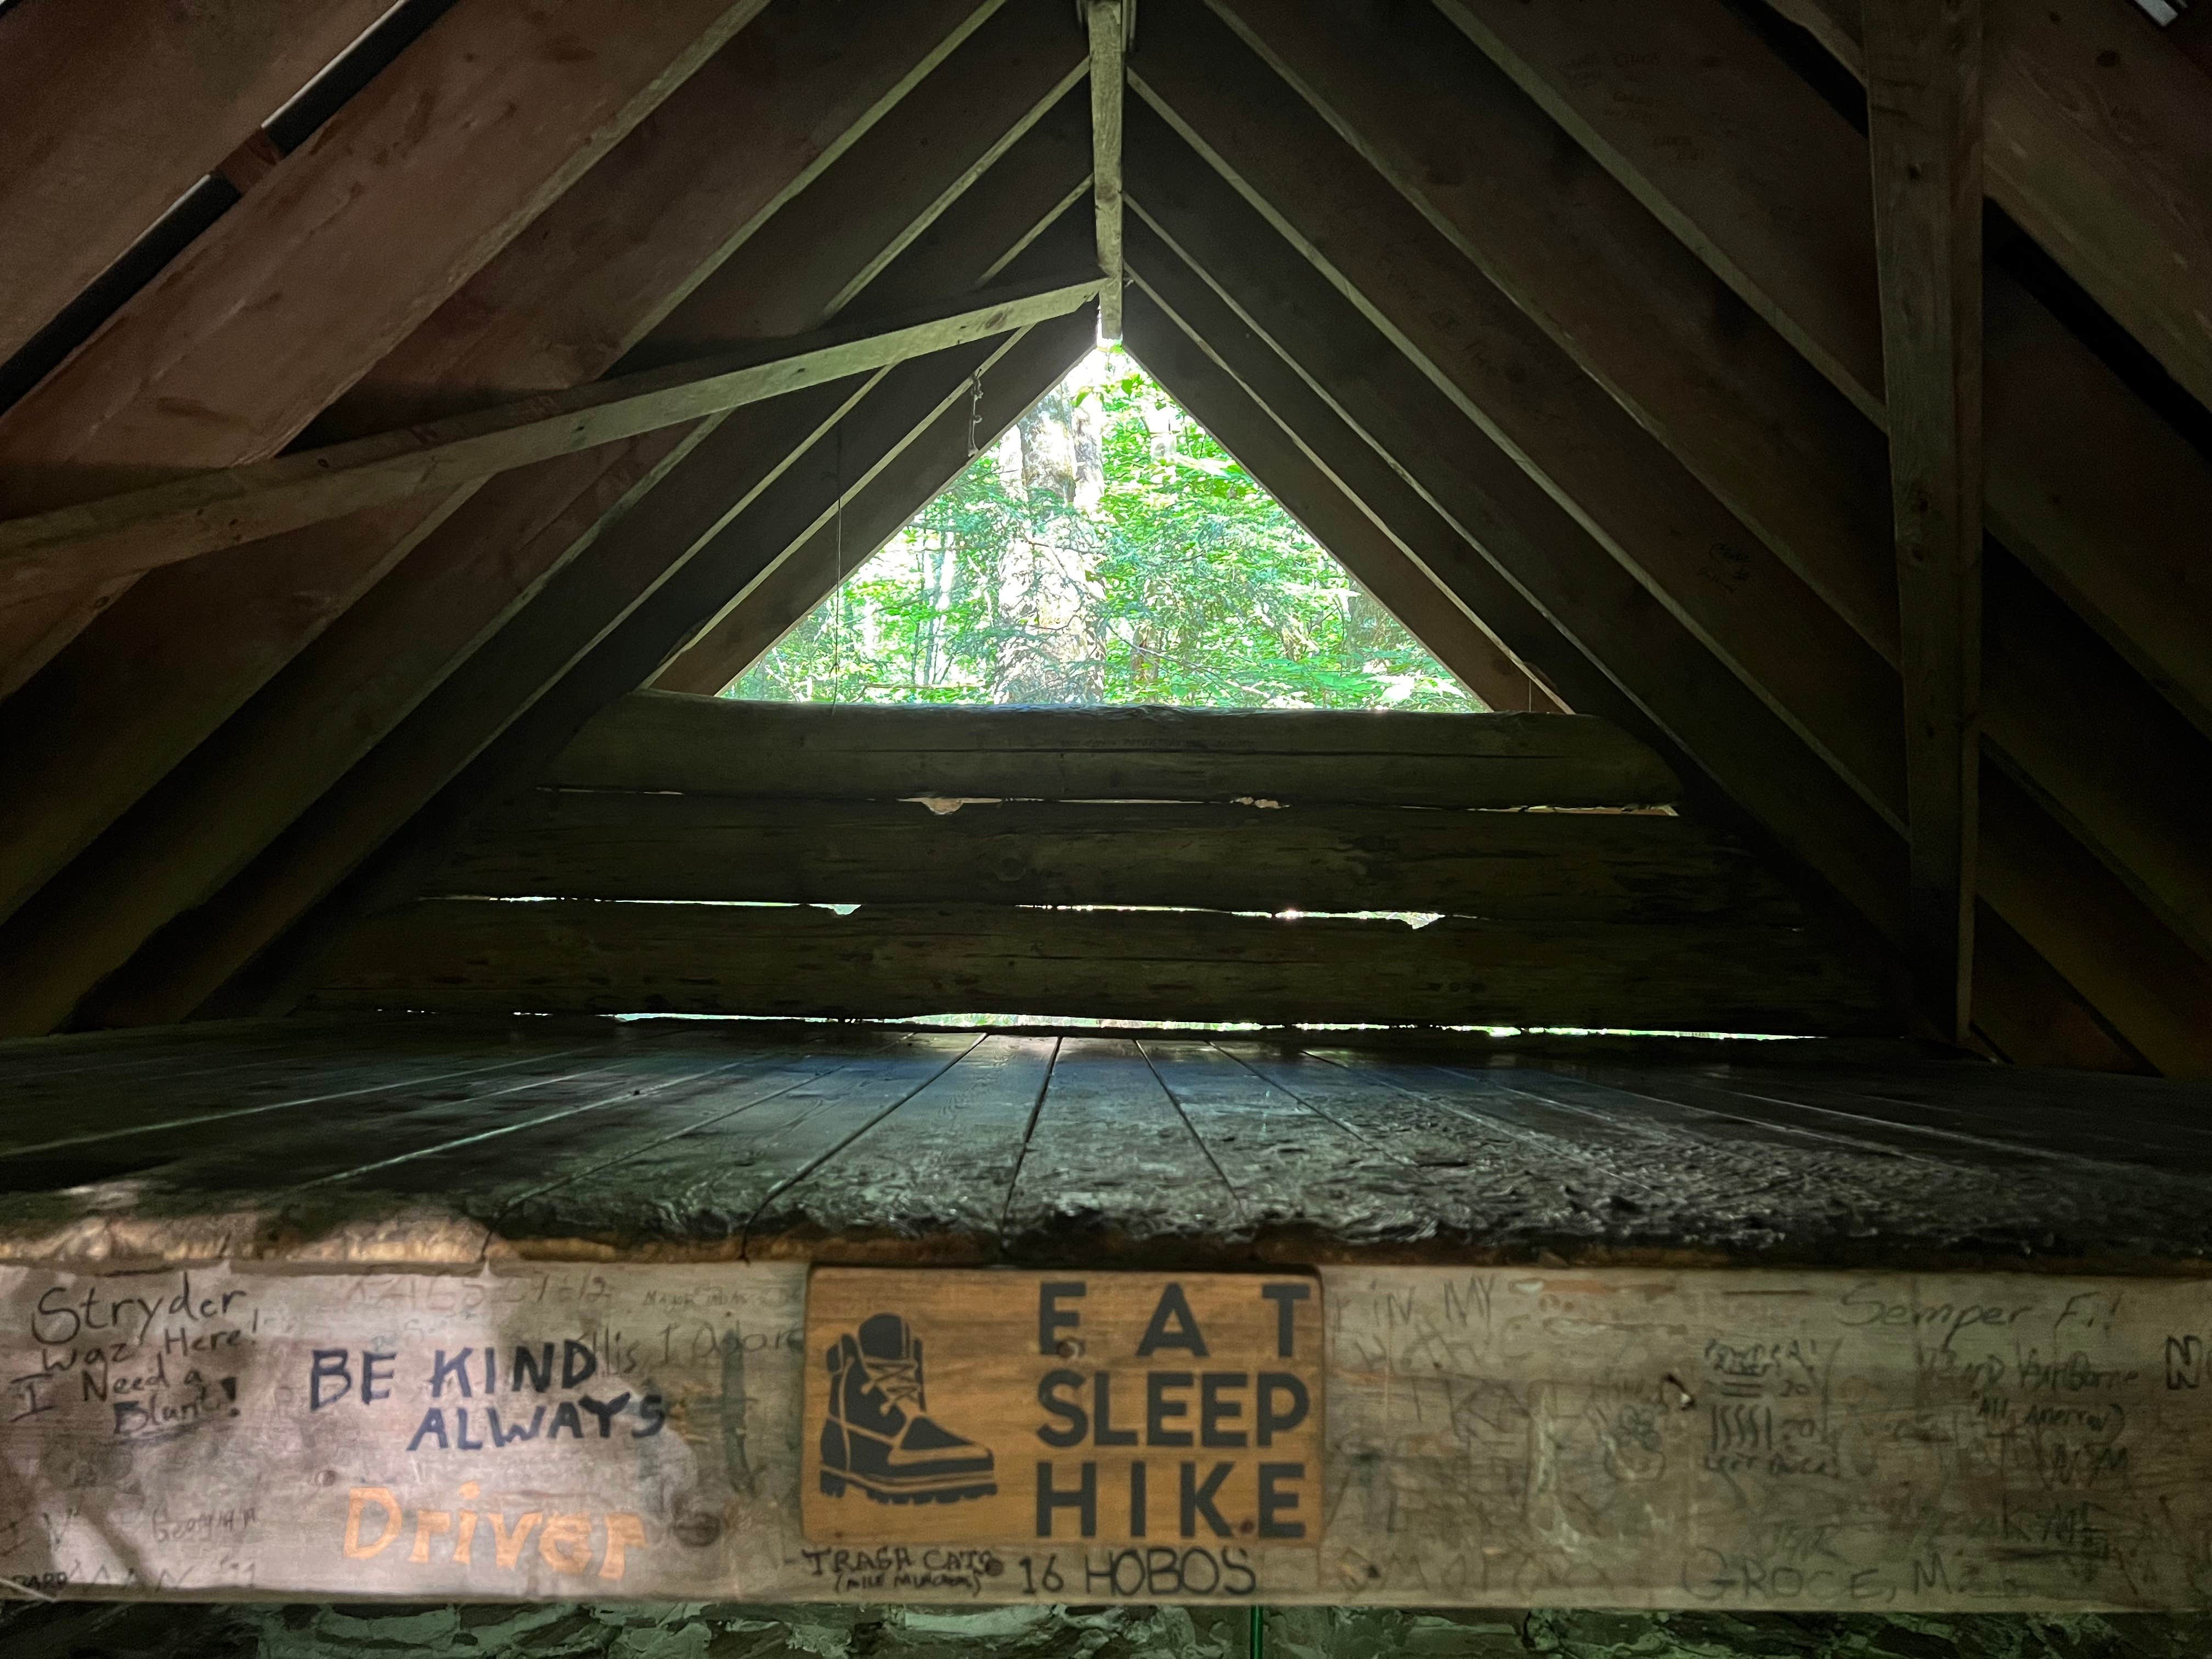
x: 974, y: 410
x: 837, y: 615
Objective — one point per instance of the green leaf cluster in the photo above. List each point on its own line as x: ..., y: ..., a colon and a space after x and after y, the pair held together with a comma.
x: 1156, y: 571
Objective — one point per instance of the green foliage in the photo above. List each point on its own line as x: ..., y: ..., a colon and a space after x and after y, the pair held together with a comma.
x: 1106, y: 550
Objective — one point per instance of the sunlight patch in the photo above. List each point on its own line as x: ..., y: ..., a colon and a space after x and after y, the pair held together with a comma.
x: 1106, y: 550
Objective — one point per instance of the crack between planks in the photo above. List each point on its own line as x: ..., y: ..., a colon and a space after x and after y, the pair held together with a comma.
x: 303, y: 1100
x: 1865, y: 1147
x: 526, y: 1123
x: 1022, y: 1153
x: 1927, y: 1130
x: 706, y: 1122
x: 1329, y: 1117
x: 745, y: 1237
x: 1511, y: 1131
x: 1205, y: 1151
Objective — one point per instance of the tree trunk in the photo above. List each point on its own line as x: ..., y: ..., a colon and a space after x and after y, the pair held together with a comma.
x: 1053, y: 651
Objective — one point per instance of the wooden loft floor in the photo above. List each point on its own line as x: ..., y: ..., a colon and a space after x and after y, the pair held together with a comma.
x: 439, y: 1140
x: 289, y: 1305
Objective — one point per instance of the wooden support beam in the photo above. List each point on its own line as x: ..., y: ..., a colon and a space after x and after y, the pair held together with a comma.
x: 354, y: 240
x: 732, y: 641
x: 1505, y: 374
x: 463, y: 956
x: 122, y: 535
x: 717, y: 746
x: 1925, y: 117
x: 213, y: 813
x: 100, y: 141
x: 1767, y: 183
x: 1109, y: 22
x: 1728, y: 394
x: 2098, y: 147
x: 599, y: 631
x: 803, y: 581
x: 1234, y: 383
x: 1516, y: 867
x: 1532, y: 552
x: 783, y: 105
x: 1461, y: 640
x: 1755, y: 171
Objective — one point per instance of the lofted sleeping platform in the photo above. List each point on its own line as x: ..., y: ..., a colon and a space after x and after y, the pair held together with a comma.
x: 486, y: 1115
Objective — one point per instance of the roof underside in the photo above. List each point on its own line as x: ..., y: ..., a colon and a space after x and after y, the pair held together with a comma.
x: 1574, y: 356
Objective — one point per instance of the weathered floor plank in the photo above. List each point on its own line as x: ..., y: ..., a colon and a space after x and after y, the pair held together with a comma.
x: 1310, y: 1187
x: 59, y: 1115
x: 2020, y: 1121
x: 930, y: 1181
x: 429, y: 1139
x: 1112, y: 1166
x: 701, y: 1190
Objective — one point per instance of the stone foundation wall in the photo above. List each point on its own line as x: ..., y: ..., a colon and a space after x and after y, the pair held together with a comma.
x: 149, y: 1630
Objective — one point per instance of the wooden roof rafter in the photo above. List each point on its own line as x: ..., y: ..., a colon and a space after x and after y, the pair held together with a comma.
x: 123, y: 535
x: 1523, y: 417
x: 387, y: 651
x: 342, y: 206
x: 602, y: 627
x: 1630, y: 639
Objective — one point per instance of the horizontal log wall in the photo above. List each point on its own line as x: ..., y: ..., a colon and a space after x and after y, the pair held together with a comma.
x: 1528, y: 867
x: 489, y: 955
x: 671, y: 741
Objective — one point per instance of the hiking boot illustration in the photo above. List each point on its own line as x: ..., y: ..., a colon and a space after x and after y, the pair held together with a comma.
x: 879, y: 1436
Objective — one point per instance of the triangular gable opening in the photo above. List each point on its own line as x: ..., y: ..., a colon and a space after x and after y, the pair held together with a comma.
x: 1105, y: 549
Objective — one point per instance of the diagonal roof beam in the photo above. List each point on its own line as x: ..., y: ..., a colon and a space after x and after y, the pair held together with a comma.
x: 462, y: 589
x: 125, y: 534
x: 1924, y: 120
x: 1727, y: 393
x: 1505, y: 374
x: 793, y: 101
x: 630, y: 599
x: 1531, y: 543
x: 2099, y: 146
x: 352, y: 240
x: 1756, y: 174
x: 1537, y: 548
x: 100, y: 141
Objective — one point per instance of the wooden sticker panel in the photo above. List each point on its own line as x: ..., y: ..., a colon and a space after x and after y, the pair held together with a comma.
x: 1491, y: 1437
x: 1027, y: 1409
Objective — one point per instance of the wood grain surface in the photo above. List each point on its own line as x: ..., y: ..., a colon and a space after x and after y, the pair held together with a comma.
x: 714, y: 746
x: 1499, y: 1437
x: 1580, y: 867
x: 471, y: 956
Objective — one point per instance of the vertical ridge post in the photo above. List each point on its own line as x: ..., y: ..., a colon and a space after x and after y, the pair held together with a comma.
x: 1924, y: 128
x: 1109, y: 21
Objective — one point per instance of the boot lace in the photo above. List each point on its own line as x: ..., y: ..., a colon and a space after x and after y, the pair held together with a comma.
x: 899, y: 1380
